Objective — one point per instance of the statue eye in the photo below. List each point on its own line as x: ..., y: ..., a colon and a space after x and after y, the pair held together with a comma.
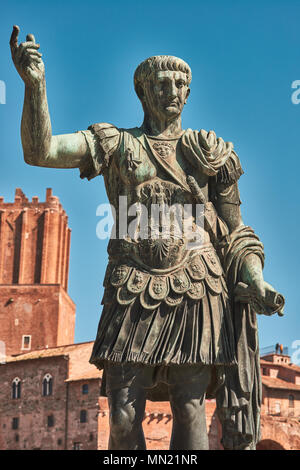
x: 180, y: 83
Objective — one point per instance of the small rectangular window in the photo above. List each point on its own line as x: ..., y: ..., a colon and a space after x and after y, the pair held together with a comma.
x: 77, y: 446
x: 277, y: 407
x: 50, y: 421
x: 83, y: 416
x: 15, y: 423
x: 85, y: 389
x: 26, y: 342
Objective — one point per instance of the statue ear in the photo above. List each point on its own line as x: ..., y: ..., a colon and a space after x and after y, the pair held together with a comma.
x: 187, y: 95
x: 140, y: 92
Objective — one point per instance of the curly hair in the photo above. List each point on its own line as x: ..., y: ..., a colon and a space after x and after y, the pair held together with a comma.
x: 159, y: 62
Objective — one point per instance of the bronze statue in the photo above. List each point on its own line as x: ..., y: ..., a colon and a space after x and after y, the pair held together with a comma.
x: 178, y: 320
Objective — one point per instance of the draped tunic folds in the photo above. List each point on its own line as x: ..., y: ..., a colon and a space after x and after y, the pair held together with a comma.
x: 164, y: 304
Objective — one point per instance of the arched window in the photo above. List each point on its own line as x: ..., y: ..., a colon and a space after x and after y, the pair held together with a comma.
x: 16, y: 388
x: 291, y: 401
x: 47, y: 385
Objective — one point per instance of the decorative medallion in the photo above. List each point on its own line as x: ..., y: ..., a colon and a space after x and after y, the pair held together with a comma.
x: 196, y: 291
x: 197, y: 269
x: 164, y: 149
x: 180, y: 282
x: 137, y: 281
x: 214, y: 284
x: 120, y: 275
x: 212, y: 263
x: 158, y: 287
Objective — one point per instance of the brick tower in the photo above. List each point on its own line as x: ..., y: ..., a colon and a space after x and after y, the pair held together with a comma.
x: 36, y: 311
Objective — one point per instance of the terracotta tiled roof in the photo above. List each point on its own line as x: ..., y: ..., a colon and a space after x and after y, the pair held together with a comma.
x: 272, y: 382
x: 78, y: 354
x: 278, y: 364
x: 48, y: 352
x: 88, y: 375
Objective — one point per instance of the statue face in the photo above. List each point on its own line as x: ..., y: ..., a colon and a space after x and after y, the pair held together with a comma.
x: 166, y: 93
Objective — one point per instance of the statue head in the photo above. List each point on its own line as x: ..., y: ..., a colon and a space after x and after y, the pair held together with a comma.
x: 162, y: 85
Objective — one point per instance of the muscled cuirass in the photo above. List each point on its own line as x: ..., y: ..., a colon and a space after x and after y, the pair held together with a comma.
x: 155, y: 259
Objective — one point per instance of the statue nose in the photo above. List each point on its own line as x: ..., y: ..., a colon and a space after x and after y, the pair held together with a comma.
x: 172, y: 90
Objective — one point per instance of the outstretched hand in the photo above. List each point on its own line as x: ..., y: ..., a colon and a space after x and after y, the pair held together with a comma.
x: 27, y: 59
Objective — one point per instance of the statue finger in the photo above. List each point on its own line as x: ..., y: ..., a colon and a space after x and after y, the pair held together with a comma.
x: 14, y: 38
x: 29, y: 44
x: 23, y: 49
x: 27, y: 60
x: 30, y: 51
x: 30, y: 38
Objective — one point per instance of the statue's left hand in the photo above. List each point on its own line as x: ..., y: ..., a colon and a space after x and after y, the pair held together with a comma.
x: 263, y: 298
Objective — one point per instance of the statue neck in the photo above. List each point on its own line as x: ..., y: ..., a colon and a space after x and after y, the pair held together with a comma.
x: 157, y: 127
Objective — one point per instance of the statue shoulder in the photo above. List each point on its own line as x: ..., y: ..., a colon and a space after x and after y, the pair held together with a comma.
x: 103, y: 140
x: 208, y: 141
x: 215, y: 155
x: 107, y: 134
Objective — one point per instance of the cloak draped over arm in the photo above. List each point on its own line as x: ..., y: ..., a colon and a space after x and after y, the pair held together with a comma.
x: 238, y: 397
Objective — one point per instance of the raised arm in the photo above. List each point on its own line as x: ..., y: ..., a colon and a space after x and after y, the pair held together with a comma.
x: 40, y: 147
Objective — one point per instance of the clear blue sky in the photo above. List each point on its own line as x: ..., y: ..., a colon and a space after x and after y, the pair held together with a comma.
x: 244, y: 57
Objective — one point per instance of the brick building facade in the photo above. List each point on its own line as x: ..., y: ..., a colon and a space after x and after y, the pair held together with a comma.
x: 35, y: 308
x: 56, y: 406
x: 49, y: 393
